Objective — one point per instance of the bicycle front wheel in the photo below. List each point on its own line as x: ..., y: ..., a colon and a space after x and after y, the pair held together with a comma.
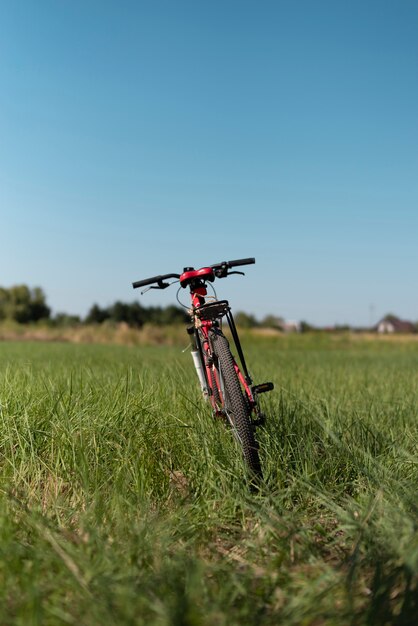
x: 235, y: 405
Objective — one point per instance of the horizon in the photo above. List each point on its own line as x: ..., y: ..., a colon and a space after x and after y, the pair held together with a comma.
x: 269, y: 320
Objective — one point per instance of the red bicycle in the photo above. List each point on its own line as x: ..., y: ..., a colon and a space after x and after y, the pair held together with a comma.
x: 227, y: 385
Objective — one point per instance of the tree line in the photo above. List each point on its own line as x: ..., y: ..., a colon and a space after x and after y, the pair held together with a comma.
x: 26, y: 305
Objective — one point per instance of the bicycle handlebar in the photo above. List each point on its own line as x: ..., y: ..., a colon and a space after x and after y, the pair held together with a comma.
x: 216, y: 266
x: 154, y: 279
x: 234, y: 263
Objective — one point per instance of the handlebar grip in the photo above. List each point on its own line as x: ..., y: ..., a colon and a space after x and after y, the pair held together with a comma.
x: 154, y: 279
x: 146, y: 281
x: 241, y: 262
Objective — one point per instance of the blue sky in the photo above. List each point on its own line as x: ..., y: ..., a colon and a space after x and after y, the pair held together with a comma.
x: 137, y: 138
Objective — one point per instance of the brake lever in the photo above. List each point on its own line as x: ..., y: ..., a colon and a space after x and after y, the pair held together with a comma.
x: 160, y: 285
x: 235, y: 272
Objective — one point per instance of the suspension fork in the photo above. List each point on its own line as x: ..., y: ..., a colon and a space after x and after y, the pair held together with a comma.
x: 200, y: 361
x: 203, y: 364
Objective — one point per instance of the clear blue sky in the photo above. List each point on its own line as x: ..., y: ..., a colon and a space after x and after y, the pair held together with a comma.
x: 140, y: 137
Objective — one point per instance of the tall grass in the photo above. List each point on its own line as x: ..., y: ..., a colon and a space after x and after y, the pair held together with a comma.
x: 122, y: 501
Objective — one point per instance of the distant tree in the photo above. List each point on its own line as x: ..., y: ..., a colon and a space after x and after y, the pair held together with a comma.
x: 165, y: 316
x: 64, y: 319
x: 119, y: 312
x: 38, y: 307
x: 245, y: 320
x: 305, y: 327
x: 272, y: 321
x: 390, y: 317
x: 152, y: 315
x: 172, y: 315
x: 23, y: 304
x: 133, y: 314
x: 97, y: 315
x: 342, y: 327
x: 136, y: 315
x: 4, y: 299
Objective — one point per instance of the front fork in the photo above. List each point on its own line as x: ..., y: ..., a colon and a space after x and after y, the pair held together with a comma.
x: 199, y: 361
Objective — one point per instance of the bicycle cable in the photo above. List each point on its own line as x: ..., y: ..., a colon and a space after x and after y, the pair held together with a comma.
x: 178, y: 299
x: 214, y: 292
x: 187, y: 307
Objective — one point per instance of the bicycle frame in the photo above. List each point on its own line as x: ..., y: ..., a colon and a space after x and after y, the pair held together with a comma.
x: 206, y: 316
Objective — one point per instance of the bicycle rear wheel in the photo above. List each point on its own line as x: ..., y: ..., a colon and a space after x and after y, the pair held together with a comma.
x: 235, y: 404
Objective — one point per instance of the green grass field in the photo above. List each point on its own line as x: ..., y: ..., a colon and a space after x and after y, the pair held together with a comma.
x: 123, y: 502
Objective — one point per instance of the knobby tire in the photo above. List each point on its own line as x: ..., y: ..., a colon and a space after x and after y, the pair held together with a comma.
x: 236, y: 405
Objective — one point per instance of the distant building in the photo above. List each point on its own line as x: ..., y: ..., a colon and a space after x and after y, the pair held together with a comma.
x: 290, y: 326
x: 395, y: 325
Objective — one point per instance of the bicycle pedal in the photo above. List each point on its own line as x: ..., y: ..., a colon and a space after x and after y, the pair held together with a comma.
x: 263, y: 388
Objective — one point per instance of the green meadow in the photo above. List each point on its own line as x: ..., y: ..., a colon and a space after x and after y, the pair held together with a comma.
x: 122, y: 501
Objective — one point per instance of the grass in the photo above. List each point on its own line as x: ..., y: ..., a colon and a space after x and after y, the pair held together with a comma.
x: 123, y: 502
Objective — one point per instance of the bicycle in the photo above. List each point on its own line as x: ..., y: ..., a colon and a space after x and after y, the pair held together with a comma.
x: 227, y: 385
